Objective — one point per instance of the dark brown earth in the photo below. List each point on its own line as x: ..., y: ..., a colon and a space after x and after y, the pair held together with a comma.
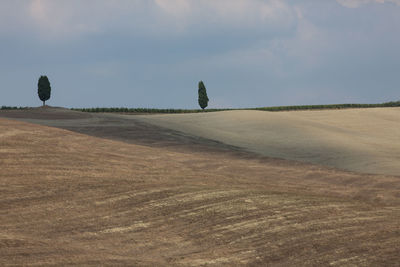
x: 109, y: 191
x: 116, y: 128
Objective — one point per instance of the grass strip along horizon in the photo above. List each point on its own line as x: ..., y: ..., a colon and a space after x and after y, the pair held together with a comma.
x: 275, y: 108
x: 172, y: 111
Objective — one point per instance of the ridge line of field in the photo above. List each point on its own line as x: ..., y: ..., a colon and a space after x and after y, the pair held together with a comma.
x: 272, y: 108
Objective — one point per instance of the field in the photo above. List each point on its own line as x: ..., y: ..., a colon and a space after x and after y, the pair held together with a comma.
x: 361, y: 140
x: 108, y: 189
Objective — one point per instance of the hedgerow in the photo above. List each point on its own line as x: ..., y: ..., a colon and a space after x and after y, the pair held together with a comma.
x: 11, y: 108
x: 277, y: 108
x: 145, y: 110
x: 333, y: 106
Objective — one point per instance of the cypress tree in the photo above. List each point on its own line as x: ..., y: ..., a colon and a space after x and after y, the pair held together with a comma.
x: 44, y: 89
x: 203, y: 98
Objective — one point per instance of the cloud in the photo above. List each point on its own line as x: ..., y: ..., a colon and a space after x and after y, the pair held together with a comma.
x: 57, y: 18
x: 175, y: 8
x: 64, y: 19
x: 274, y: 49
x: 13, y: 15
x: 247, y: 12
x: 357, y: 3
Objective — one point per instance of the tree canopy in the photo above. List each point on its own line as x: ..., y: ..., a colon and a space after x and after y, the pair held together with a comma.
x: 44, y: 89
x: 203, y: 98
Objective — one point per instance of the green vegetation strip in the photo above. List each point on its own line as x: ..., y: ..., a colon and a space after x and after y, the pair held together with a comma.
x: 146, y: 110
x: 333, y: 106
x: 11, y: 108
x: 279, y: 108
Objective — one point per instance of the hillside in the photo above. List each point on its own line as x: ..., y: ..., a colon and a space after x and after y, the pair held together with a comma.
x: 69, y: 198
x: 361, y: 140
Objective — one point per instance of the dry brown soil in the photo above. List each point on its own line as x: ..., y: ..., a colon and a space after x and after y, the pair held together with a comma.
x: 113, y: 191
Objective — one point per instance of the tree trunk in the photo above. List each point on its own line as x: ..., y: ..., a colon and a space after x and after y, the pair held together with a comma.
x: 44, y: 103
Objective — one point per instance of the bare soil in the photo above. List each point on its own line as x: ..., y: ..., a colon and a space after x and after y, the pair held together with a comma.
x: 361, y: 140
x: 117, y: 191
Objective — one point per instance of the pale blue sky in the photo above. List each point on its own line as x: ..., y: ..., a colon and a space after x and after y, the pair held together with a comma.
x: 152, y: 53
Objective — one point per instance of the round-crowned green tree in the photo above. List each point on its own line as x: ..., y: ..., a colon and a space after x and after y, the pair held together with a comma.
x: 44, y: 89
x: 203, y: 98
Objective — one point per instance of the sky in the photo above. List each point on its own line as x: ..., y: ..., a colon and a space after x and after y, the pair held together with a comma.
x: 153, y: 53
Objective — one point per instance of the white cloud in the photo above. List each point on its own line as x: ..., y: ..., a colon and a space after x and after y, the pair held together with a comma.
x: 58, y: 18
x: 63, y: 19
x: 176, y: 8
x: 182, y: 15
x: 357, y: 3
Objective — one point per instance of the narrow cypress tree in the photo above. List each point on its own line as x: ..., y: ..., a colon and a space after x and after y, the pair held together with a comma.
x: 203, y: 98
x: 44, y: 89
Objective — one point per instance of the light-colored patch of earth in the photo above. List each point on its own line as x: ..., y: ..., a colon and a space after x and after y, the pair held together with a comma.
x: 361, y: 140
x: 123, y: 229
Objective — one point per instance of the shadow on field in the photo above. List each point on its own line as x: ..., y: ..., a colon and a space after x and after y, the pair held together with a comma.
x: 113, y: 127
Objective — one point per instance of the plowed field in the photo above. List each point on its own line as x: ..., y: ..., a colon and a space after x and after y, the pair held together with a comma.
x: 109, y: 192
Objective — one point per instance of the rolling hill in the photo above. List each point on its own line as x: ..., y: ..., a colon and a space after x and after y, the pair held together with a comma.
x: 117, y: 191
